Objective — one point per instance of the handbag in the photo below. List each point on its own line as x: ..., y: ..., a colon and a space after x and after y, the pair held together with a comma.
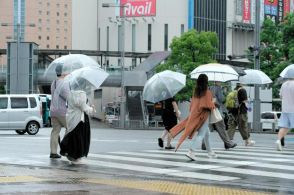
x: 215, y: 116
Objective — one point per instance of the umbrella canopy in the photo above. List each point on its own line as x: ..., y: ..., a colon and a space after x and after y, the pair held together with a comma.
x: 288, y: 72
x: 255, y: 77
x: 86, y: 78
x: 70, y: 63
x: 215, y: 72
x: 163, y: 85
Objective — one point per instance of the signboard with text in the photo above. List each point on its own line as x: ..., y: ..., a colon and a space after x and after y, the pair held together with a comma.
x: 138, y: 8
x: 246, y: 11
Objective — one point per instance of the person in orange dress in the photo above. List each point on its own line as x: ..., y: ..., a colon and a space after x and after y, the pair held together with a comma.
x: 197, y: 121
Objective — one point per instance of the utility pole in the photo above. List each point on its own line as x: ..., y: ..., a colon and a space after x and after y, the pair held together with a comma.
x: 256, y: 102
x: 122, y: 63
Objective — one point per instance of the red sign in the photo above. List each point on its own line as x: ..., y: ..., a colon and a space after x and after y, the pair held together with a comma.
x: 139, y: 8
x: 246, y: 11
x: 286, y: 7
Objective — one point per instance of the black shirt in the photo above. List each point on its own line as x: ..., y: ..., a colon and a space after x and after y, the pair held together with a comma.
x: 167, y: 104
x: 242, y: 96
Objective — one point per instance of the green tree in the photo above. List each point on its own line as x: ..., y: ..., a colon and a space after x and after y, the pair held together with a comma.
x: 189, y: 51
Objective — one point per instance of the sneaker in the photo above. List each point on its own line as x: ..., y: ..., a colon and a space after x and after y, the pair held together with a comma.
x: 77, y: 161
x: 249, y: 142
x: 279, y: 145
x: 160, y: 142
x: 212, y: 154
x: 54, y: 156
x: 232, y: 146
x: 191, y: 155
x: 169, y: 147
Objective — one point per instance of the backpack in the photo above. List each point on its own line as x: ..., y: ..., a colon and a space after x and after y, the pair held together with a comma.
x: 232, y: 101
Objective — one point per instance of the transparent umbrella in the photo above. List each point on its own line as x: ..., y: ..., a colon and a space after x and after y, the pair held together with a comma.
x: 70, y: 63
x: 163, y: 85
x: 86, y: 78
x: 216, y: 72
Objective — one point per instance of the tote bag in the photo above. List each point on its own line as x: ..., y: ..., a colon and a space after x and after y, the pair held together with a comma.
x: 215, y: 116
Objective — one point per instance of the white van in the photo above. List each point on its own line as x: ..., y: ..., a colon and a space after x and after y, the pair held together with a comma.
x: 21, y: 112
x: 270, y: 120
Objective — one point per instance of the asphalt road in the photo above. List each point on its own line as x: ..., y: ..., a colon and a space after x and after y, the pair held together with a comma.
x: 120, y: 161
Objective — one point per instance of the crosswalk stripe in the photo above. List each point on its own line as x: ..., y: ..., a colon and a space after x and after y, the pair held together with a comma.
x: 158, y: 162
x: 274, y: 151
x: 256, y: 164
x: 155, y: 170
x: 183, y: 157
x: 256, y: 172
x: 225, y: 155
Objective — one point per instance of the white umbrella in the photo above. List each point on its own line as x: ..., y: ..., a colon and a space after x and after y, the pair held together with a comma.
x: 70, y: 63
x: 163, y: 85
x: 255, y: 77
x: 215, y: 72
x: 288, y: 72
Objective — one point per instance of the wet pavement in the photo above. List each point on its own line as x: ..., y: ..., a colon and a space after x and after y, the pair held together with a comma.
x: 130, y: 162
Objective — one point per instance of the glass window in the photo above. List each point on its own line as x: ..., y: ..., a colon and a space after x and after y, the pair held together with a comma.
x: 17, y: 102
x: 119, y: 31
x: 48, y: 38
x: 48, y: 46
x: 40, y: 37
x: 57, y: 21
x: 149, y: 37
x: 182, y: 28
x: 107, y: 38
x: 40, y: 12
x: 3, y: 103
x: 58, y: 5
x: 65, y: 47
x: 57, y: 13
x: 33, y: 102
x: 133, y: 37
x: 57, y: 46
x: 65, y: 5
x: 65, y: 14
x: 48, y: 13
x: 165, y: 37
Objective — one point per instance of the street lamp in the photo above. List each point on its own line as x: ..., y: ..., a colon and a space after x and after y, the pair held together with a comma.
x: 18, y: 25
x: 256, y: 48
x: 122, y: 61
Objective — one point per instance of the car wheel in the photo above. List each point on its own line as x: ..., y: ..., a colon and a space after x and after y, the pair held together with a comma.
x: 32, y: 128
x: 20, y: 132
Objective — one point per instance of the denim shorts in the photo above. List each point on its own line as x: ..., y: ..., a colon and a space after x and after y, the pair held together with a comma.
x: 287, y: 120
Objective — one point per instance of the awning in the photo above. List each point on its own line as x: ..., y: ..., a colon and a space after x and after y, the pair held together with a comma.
x: 152, y: 61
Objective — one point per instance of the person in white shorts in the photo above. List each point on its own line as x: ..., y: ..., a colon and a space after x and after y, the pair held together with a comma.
x: 287, y: 117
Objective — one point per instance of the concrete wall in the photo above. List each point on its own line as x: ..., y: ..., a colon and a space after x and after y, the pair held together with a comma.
x: 84, y: 24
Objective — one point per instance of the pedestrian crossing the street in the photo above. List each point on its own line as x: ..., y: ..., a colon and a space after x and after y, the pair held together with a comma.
x: 241, y: 163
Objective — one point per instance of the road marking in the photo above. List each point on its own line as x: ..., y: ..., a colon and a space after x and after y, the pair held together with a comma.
x: 159, y: 171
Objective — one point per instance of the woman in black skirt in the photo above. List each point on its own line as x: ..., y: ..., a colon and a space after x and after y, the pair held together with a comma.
x: 170, y: 115
x: 76, y: 142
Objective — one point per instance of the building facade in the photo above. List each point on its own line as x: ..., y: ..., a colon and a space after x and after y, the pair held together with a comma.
x: 45, y: 22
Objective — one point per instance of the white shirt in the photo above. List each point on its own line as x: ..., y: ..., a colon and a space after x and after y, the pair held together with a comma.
x: 287, y: 95
x: 77, y: 105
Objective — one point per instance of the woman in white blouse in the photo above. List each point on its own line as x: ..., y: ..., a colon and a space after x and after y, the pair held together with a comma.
x: 76, y: 142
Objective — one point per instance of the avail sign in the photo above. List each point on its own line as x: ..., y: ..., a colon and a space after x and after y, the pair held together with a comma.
x: 137, y: 8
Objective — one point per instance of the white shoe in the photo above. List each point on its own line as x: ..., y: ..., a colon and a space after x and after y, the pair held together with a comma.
x: 212, y: 154
x: 191, y: 155
x: 279, y: 145
x: 249, y: 142
x: 77, y: 161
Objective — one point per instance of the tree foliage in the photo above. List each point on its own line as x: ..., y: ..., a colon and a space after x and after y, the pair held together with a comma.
x: 189, y: 51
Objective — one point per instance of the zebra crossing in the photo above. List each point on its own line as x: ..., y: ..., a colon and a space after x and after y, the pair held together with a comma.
x: 258, y: 163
